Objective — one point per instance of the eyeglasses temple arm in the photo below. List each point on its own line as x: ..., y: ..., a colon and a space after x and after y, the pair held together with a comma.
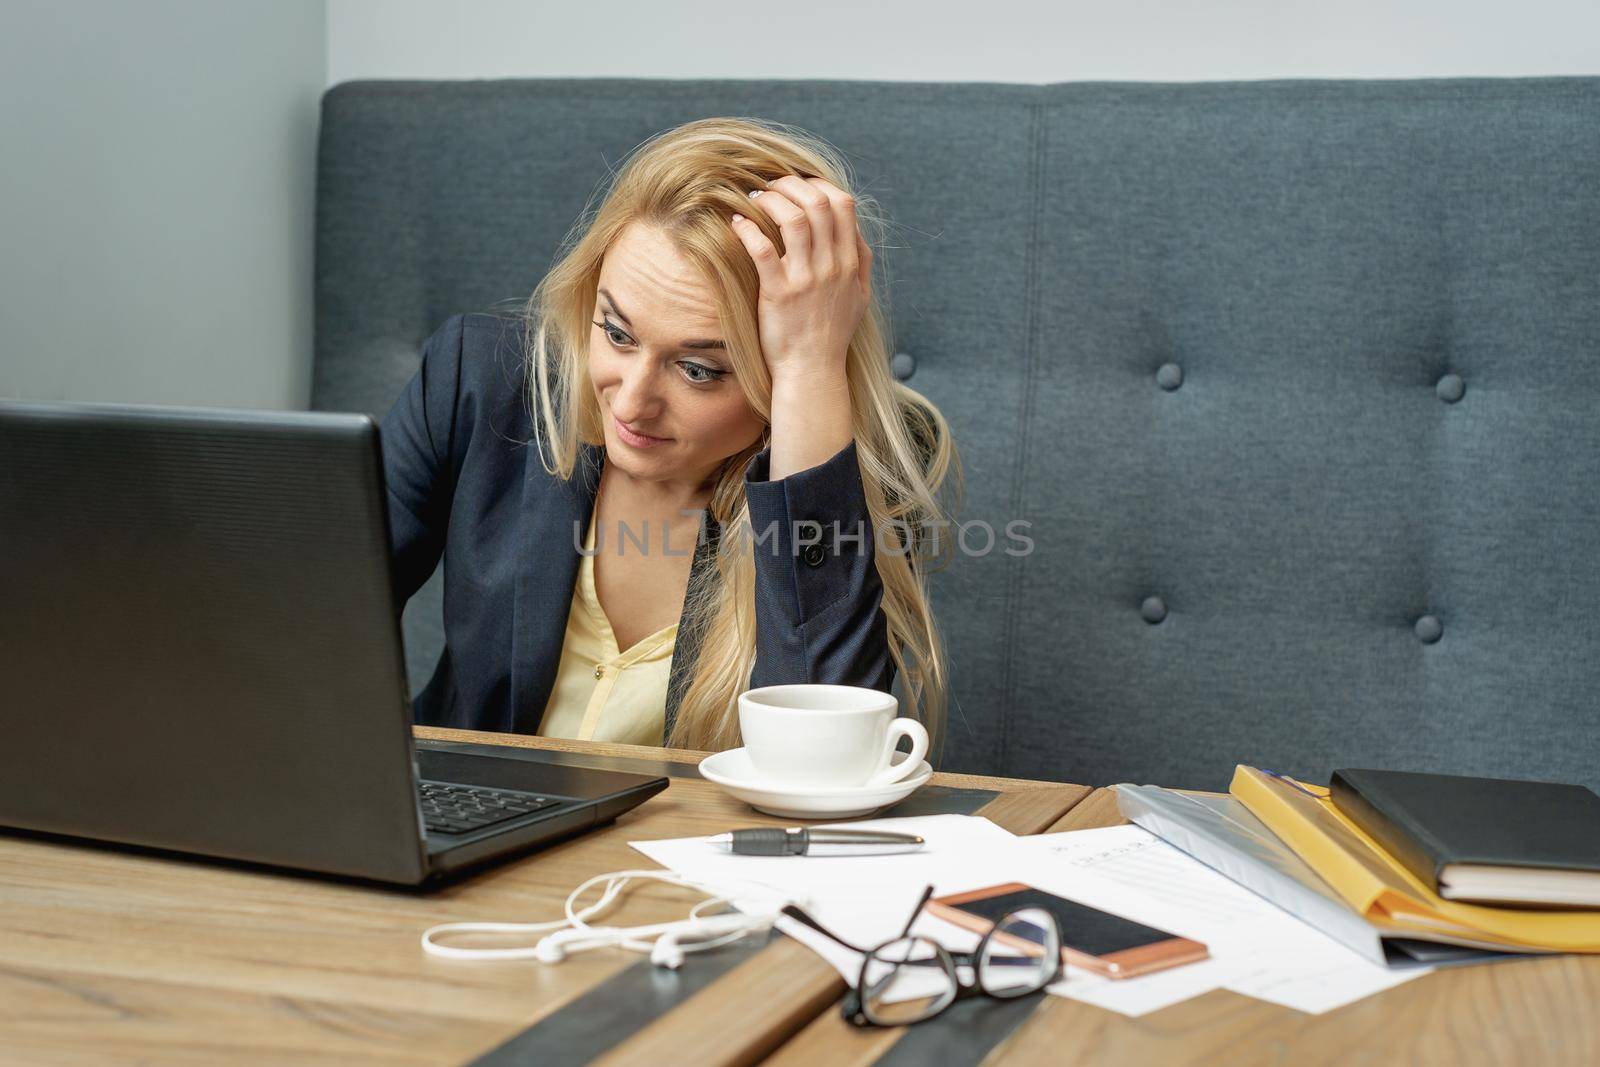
x: 797, y: 913
x: 794, y: 912
x: 926, y: 893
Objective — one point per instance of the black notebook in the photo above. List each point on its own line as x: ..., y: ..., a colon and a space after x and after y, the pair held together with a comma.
x: 1485, y: 840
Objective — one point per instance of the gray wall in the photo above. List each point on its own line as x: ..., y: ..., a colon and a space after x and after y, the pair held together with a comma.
x: 953, y: 40
x: 156, y: 198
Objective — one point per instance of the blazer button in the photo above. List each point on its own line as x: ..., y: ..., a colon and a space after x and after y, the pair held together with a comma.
x: 813, y: 555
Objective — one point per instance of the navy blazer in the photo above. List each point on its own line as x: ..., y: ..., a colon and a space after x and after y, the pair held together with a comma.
x: 465, y: 483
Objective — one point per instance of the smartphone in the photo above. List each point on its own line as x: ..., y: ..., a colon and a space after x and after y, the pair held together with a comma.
x: 1095, y: 940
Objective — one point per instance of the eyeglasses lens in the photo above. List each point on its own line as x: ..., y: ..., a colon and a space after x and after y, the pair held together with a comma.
x: 906, y: 981
x: 1021, y: 954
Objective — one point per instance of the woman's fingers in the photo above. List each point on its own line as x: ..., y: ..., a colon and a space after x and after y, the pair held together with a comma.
x: 768, y: 267
x: 846, y: 249
x: 792, y: 223
x: 863, y: 263
x: 790, y: 210
x: 852, y: 254
x: 813, y: 295
x: 817, y: 205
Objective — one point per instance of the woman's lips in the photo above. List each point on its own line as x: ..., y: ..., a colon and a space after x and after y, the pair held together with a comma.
x: 637, y: 440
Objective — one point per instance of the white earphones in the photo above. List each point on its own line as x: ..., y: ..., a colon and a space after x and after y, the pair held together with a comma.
x: 667, y: 943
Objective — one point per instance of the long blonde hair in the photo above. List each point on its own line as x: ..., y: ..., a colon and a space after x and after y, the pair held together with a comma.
x: 687, y: 182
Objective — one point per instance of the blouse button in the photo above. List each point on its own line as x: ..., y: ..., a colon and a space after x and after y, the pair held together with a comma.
x: 599, y: 672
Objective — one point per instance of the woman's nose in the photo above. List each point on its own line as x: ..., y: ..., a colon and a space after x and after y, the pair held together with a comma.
x: 636, y: 398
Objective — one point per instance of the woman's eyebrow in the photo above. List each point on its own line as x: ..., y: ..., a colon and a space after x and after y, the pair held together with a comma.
x: 702, y: 345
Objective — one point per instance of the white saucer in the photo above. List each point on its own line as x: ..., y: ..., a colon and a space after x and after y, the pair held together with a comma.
x: 733, y: 771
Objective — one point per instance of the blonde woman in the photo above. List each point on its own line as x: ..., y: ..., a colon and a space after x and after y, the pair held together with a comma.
x: 684, y: 470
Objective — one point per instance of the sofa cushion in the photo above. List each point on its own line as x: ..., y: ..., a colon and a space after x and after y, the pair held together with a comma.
x: 1293, y: 382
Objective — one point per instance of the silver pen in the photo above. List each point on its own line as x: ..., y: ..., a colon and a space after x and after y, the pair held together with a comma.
x: 821, y: 841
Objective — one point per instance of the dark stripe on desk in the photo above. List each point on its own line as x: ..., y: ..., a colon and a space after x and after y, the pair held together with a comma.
x: 618, y: 1008
x: 636, y: 996
x: 938, y: 800
x: 964, y: 1033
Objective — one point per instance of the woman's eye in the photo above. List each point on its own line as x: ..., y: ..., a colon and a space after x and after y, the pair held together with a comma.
x: 612, y: 333
x: 697, y: 373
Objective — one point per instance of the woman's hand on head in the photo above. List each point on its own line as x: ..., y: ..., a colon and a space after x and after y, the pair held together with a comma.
x: 814, y: 296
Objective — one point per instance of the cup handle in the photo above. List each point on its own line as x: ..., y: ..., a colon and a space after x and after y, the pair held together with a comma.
x: 899, y: 728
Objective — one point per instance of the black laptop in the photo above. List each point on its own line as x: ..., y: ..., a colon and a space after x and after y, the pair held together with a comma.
x: 200, y: 651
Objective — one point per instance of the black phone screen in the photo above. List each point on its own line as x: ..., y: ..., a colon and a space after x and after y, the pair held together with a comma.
x: 1083, y: 928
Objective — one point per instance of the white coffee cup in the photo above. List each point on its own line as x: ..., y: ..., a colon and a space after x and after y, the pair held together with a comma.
x: 827, y: 735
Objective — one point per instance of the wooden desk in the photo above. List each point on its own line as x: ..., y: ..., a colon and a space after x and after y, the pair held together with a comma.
x: 109, y: 956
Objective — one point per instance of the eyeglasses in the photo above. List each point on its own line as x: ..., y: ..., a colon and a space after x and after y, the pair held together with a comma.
x: 909, y: 979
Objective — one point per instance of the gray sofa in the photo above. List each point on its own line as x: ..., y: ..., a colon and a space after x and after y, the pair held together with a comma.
x: 1298, y: 384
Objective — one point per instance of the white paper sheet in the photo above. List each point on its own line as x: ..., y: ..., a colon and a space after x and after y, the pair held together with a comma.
x: 1257, y: 949
x: 954, y: 846
x: 863, y: 899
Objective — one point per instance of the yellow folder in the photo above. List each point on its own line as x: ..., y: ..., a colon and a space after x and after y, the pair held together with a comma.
x: 1371, y: 882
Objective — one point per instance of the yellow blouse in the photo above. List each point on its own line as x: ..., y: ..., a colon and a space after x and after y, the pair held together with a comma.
x: 601, y: 693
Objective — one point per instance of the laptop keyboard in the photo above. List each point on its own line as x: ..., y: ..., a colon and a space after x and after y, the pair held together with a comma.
x: 449, y: 808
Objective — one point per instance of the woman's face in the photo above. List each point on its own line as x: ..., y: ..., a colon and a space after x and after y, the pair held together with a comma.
x: 671, y: 408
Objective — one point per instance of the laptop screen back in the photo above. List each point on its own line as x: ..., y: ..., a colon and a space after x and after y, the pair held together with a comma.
x: 199, y: 648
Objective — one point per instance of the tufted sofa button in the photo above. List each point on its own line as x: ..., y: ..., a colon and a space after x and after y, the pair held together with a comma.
x: 1169, y: 376
x: 1450, y: 388
x: 903, y: 365
x: 1154, y: 609
x: 1428, y: 629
